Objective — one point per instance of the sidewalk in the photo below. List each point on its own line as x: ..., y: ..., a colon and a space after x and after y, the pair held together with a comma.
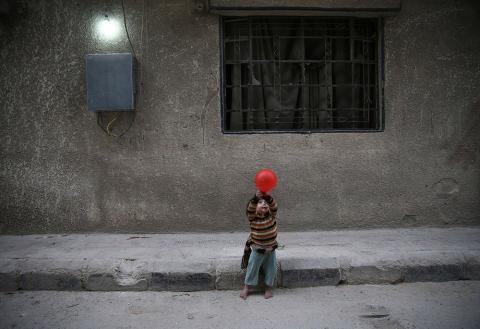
x: 189, y: 262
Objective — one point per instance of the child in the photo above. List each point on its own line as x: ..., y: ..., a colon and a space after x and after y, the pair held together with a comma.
x: 261, y: 213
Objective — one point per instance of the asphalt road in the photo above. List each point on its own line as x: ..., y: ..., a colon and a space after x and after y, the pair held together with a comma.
x: 435, y: 305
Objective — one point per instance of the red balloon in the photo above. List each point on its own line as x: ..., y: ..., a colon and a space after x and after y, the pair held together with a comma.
x: 265, y: 180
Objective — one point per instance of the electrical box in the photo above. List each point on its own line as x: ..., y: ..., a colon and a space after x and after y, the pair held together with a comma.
x: 110, y: 82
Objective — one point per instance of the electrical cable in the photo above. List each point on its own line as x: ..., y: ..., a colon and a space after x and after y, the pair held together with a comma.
x: 131, y: 123
x: 110, y: 123
x: 107, y: 130
x: 126, y: 29
x: 100, y: 122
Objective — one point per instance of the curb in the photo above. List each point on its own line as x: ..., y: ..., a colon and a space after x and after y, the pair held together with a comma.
x: 225, y: 274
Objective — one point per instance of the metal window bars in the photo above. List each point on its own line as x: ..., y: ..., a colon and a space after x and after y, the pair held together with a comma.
x: 301, y: 74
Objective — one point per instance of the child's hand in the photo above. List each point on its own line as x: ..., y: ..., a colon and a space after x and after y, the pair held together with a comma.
x: 259, y: 194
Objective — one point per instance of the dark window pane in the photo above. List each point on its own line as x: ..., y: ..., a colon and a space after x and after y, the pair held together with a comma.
x: 291, y: 48
x: 364, y: 50
x: 345, y: 116
x: 342, y: 97
x: 314, y: 28
x: 227, y: 121
x: 264, y: 98
x: 338, y: 27
x: 315, y: 48
x: 287, y: 120
x: 245, y: 98
x: 340, y: 49
x: 236, y: 29
x: 358, y: 46
x: 358, y: 75
x: 235, y: 121
x: 244, y: 50
x: 292, y: 98
x: 290, y: 73
x: 326, y: 26
x: 229, y: 74
x: 228, y: 98
x: 229, y: 51
x: 358, y: 99
x: 281, y: 26
x: 340, y: 116
x: 315, y: 73
x: 370, y: 74
x: 263, y: 49
x: 322, y: 119
x: 245, y: 72
x: 364, y: 28
x: 287, y: 27
x: 365, y: 73
x: 261, y: 27
x: 342, y: 73
x: 236, y: 51
x: 265, y: 74
x: 237, y: 74
x: 316, y: 98
x: 371, y: 98
x: 371, y: 51
x: 236, y: 98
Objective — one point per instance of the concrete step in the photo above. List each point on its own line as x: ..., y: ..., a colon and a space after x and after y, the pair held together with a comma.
x: 201, y: 261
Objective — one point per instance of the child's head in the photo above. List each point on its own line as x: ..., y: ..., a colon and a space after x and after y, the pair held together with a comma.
x: 262, y: 207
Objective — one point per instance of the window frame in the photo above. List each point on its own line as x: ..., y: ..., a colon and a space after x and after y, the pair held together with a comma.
x: 380, y: 84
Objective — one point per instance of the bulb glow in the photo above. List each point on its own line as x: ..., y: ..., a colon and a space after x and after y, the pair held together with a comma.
x: 108, y: 29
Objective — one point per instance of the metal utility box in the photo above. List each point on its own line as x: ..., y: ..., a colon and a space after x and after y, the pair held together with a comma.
x: 110, y: 82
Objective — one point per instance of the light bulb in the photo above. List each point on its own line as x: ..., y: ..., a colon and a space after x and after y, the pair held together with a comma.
x: 108, y: 28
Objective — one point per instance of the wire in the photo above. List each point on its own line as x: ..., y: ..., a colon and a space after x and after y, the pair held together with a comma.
x: 107, y: 130
x: 134, y: 113
x: 126, y: 29
x: 110, y: 123
x: 100, y: 123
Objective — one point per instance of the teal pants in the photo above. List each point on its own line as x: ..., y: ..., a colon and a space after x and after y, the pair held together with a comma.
x: 268, y: 262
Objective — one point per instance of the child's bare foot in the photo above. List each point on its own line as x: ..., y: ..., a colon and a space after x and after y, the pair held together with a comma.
x: 268, y: 292
x: 244, y: 292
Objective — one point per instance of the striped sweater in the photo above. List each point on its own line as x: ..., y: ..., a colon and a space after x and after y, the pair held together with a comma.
x: 263, y: 229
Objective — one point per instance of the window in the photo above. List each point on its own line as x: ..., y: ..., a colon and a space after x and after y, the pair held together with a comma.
x: 301, y: 74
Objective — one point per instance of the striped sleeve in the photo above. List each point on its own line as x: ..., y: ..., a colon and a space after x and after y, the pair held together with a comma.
x: 272, y: 204
x: 252, y: 208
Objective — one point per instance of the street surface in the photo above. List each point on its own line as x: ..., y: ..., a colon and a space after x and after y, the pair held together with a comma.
x: 434, y: 305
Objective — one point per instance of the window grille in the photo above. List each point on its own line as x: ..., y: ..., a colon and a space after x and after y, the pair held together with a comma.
x: 301, y: 74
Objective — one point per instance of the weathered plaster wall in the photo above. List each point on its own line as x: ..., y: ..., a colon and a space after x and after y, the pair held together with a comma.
x: 174, y: 170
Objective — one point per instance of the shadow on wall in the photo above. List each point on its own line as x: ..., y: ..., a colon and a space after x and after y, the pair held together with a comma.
x: 465, y: 152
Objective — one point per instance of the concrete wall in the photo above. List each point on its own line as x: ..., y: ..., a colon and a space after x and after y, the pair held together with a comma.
x: 175, y: 170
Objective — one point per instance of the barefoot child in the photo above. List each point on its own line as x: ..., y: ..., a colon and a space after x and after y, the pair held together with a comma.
x: 261, y: 213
